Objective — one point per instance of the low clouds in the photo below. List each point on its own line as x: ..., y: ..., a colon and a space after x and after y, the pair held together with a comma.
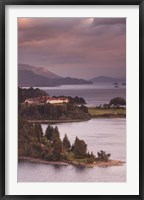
x: 80, y: 47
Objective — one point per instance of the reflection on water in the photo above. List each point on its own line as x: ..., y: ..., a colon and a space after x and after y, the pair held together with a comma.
x: 32, y: 172
x: 100, y: 134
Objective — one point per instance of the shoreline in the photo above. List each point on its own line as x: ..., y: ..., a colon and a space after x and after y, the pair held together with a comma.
x: 110, y: 163
x: 76, y: 120
x: 57, y: 121
x: 108, y: 117
x: 37, y: 160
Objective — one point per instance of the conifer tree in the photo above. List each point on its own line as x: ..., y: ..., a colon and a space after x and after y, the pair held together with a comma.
x: 48, y: 132
x: 66, y: 142
x: 38, y: 130
x: 57, y: 149
x: 55, y: 134
x: 80, y: 148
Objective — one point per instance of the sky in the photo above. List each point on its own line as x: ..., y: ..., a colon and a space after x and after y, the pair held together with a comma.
x: 75, y: 47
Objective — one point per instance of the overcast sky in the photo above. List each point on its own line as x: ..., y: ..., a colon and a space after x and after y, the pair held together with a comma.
x: 76, y: 47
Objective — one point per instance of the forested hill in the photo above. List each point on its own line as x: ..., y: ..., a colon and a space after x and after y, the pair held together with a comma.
x: 25, y: 93
x: 74, y: 110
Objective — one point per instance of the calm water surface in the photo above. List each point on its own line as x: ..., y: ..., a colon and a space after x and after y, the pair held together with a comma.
x: 94, y: 94
x: 100, y: 134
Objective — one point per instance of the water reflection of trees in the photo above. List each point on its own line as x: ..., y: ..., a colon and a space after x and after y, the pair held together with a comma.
x: 80, y: 168
x: 58, y: 167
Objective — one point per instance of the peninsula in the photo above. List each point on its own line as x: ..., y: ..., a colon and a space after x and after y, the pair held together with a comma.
x: 36, y: 146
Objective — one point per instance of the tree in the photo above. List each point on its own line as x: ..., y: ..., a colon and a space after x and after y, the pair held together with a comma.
x: 84, y: 108
x: 118, y: 101
x: 48, y: 132
x: 55, y: 134
x: 38, y: 130
x: 66, y: 142
x: 80, y: 148
x: 57, y: 150
x: 57, y: 131
x: 91, y: 157
x: 103, y: 156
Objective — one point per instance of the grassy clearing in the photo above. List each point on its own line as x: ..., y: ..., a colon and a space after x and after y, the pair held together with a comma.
x: 107, y: 112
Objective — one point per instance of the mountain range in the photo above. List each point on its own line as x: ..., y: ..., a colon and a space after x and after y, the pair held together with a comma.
x: 31, y: 76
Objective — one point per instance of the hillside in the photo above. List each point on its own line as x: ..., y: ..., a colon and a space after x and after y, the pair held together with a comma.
x: 27, y: 78
x: 42, y: 71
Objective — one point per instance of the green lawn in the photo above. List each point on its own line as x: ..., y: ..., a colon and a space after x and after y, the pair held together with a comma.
x: 107, y: 112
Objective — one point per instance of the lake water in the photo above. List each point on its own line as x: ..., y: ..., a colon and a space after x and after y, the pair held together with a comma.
x: 94, y: 94
x: 99, y: 134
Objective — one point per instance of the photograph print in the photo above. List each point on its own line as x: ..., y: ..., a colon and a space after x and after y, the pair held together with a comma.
x: 71, y: 99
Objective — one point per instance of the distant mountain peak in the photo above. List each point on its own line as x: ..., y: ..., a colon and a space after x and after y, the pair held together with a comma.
x: 41, y: 76
x: 43, y: 71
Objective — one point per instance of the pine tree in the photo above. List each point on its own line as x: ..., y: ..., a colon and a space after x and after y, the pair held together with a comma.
x: 48, y: 132
x: 57, y: 150
x: 80, y: 148
x: 38, y: 130
x: 66, y: 143
x: 55, y: 134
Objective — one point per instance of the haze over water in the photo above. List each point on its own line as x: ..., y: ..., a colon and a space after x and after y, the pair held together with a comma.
x: 94, y: 94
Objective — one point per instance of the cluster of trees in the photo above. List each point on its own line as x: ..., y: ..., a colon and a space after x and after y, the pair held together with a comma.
x: 32, y: 142
x: 74, y: 100
x: 77, y: 100
x: 24, y: 93
x: 53, y: 112
x: 116, y: 102
x: 103, y: 156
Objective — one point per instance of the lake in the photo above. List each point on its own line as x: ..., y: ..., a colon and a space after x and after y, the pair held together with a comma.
x: 94, y: 94
x: 99, y: 134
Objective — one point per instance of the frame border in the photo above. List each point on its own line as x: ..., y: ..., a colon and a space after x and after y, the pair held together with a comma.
x: 3, y: 3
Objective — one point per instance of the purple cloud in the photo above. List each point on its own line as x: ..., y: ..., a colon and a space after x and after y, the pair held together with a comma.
x: 68, y: 45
